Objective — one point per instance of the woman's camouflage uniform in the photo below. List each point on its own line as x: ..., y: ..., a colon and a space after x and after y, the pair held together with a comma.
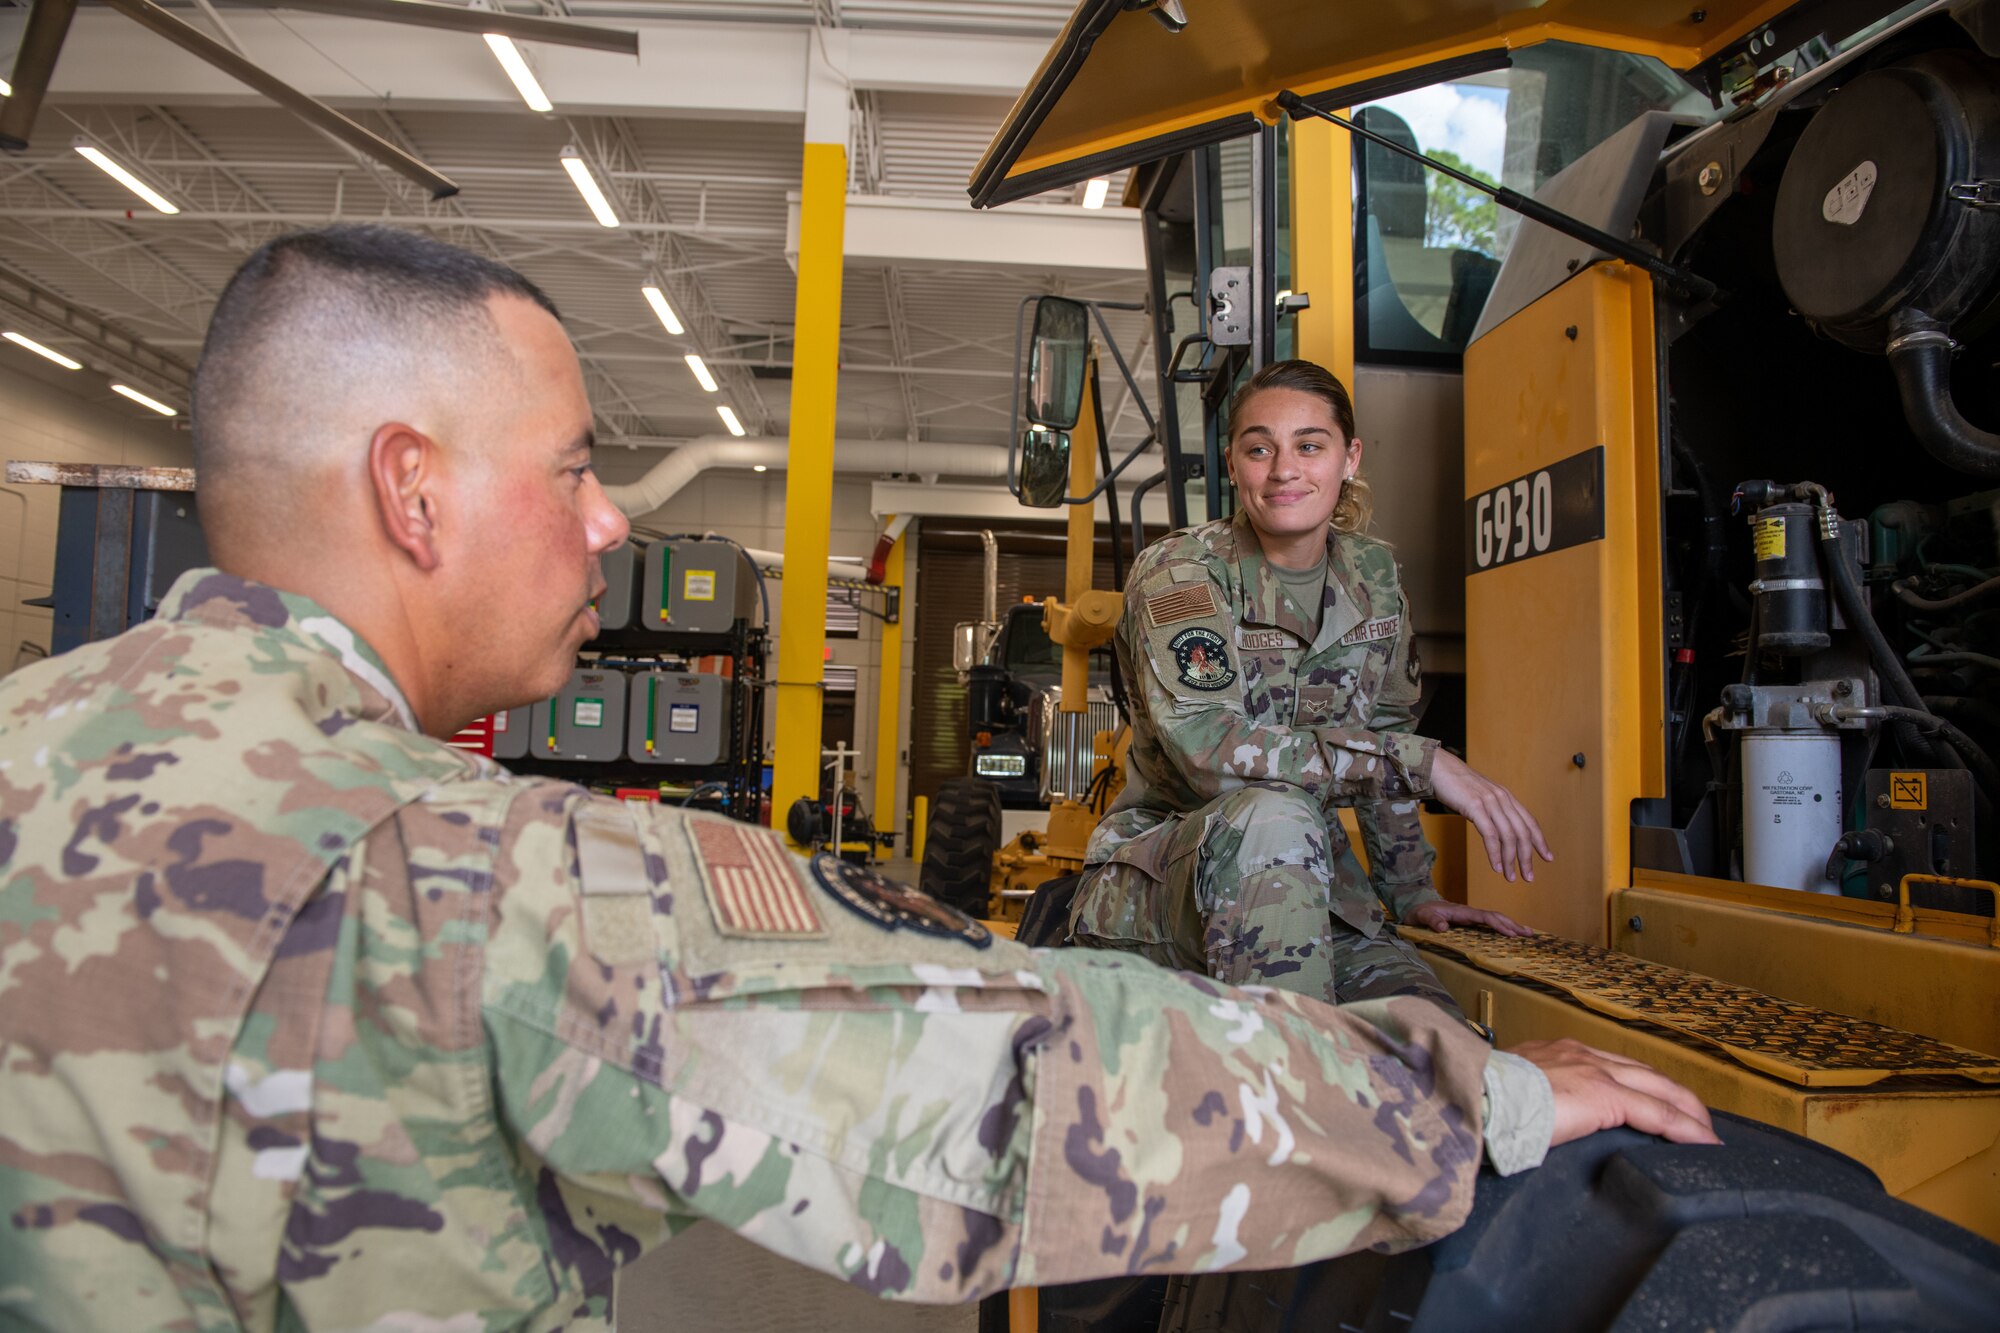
x: 1225, y: 852
x: 310, y: 1021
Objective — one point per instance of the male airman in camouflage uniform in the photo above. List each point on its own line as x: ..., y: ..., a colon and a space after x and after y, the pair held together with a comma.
x: 308, y: 1020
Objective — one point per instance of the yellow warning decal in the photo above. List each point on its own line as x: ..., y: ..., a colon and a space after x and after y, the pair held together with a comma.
x: 1909, y: 791
x: 1767, y: 537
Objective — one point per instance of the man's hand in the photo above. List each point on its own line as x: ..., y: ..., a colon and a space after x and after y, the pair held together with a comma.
x: 1598, y: 1090
x: 1505, y: 826
x: 1442, y: 916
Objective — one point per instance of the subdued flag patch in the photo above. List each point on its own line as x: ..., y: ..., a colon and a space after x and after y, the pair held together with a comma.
x: 752, y: 887
x: 1188, y: 601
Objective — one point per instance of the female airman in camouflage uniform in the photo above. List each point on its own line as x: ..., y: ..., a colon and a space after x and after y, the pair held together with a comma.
x: 1274, y: 680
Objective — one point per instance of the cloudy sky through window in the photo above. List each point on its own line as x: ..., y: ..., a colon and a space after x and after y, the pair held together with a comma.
x: 1466, y: 119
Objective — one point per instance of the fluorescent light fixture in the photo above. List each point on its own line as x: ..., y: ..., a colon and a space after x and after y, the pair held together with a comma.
x: 759, y: 467
x: 509, y: 56
x: 658, y: 300
x: 51, y: 353
x: 1093, y: 193
x: 728, y: 416
x: 586, y: 185
x: 143, y: 400
x: 700, y: 369
x: 6, y: 88
x: 98, y: 158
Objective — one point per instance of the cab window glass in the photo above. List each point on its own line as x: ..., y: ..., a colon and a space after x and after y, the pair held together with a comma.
x: 1029, y: 647
x: 1427, y: 248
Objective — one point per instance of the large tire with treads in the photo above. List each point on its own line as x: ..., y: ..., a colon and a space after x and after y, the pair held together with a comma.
x: 958, y: 849
x: 1624, y: 1232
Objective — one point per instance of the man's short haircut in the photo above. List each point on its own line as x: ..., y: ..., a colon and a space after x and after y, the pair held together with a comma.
x: 369, y: 283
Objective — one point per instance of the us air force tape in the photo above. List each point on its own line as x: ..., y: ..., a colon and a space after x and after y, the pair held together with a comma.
x: 891, y: 906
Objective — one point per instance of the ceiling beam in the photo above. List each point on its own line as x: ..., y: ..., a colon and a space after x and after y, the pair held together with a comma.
x: 43, y: 315
x: 683, y: 68
x: 937, y: 233
x: 946, y: 500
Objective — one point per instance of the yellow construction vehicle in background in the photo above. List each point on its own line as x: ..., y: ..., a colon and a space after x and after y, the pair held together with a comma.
x: 1675, y: 336
x: 1074, y: 750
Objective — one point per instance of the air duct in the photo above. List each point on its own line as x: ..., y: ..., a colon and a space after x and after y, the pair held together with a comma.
x: 690, y: 460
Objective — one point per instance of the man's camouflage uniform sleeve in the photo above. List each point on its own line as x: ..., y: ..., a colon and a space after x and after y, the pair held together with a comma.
x: 693, y: 1021
x: 1204, y: 731
x: 1399, y: 855
x: 314, y: 1022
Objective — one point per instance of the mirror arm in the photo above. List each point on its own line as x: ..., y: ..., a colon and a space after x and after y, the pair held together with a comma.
x: 1112, y: 475
x: 1097, y: 308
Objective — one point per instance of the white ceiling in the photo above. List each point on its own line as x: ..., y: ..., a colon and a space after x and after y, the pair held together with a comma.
x: 926, y: 347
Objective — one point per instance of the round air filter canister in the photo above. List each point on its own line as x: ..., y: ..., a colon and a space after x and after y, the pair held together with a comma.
x: 1864, y: 224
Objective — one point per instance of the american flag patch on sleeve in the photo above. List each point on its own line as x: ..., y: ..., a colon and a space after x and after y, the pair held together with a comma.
x: 754, y: 889
x: 1187, y: 601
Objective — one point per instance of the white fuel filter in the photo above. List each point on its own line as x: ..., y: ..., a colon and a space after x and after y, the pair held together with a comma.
x: 1791, y: 808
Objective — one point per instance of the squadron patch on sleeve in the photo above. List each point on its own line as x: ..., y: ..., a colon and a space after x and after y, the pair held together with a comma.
x: 1203, y: 659
x: 1186, y: 601
x: 1368, y: 631
x: 884, y: 903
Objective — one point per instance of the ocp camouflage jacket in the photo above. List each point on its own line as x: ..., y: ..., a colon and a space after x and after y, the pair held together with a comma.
x: 1229, y: 686
x: 309, y: 1021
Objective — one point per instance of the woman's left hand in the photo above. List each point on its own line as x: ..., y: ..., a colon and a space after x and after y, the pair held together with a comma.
x: 1442, y: 916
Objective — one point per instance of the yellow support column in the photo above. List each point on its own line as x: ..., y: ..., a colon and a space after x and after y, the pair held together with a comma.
x: 809, y: 477
x: 889, y: 697
x: 1323, y: 243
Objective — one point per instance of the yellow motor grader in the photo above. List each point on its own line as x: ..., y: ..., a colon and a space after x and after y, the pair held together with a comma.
x: 1674, y: 332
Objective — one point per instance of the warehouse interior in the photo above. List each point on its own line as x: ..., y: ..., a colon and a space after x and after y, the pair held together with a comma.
x: 698, y: 141
x: 809, y: 360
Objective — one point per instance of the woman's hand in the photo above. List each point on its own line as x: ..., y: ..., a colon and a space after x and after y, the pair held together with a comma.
x: 1511, y: 835
x: 1442, y: 916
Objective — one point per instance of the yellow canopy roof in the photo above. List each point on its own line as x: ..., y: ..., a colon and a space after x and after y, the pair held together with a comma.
x: 1119, y: 88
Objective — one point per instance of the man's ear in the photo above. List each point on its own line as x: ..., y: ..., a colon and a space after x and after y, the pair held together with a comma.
x: 403, y: 472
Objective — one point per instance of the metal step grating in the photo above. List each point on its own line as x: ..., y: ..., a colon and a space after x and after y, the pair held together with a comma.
x: 1790, y: 1041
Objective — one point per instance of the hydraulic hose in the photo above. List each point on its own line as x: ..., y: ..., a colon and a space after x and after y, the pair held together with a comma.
x: 1920, y: 351
x: 1847, y: 593
x: 1984, y: 771
x: 1906, y: 592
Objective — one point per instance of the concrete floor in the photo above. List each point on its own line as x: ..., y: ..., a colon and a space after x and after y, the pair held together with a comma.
x: 709, y: 1280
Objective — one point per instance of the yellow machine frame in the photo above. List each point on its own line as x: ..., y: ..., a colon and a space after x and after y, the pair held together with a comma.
x: 1566, y: 657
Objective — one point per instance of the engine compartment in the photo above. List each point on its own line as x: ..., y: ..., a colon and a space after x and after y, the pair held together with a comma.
x: 1831, y: 414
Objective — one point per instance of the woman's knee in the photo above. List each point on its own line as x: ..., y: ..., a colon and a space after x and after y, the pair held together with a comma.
x: 1267, y: 805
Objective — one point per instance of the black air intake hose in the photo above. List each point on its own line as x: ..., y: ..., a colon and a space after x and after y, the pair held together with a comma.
x: 1920, y: 355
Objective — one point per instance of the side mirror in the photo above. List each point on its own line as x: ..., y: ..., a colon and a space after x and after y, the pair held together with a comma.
x: 965, y: 646
x: 1044, y: 468
x: 1058, y: 359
